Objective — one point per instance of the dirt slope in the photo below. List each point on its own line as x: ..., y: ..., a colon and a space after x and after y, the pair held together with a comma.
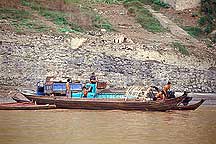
x: 159, y: 44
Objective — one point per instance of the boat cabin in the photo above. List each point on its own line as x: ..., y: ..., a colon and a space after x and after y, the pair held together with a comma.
x: 58, y: 88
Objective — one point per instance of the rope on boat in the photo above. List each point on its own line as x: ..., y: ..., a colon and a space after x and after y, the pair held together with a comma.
x: 136, y: 91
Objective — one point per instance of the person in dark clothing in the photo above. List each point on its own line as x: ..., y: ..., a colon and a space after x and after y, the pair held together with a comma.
x: 166, y: 88
x: 93, y: 79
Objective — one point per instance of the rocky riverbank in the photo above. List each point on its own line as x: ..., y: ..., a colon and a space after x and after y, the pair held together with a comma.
x: 26, y: 58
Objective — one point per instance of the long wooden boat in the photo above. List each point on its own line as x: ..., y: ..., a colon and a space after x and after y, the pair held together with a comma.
x: 106, y: 104
x: 189, y: 107
x: 25, y: 106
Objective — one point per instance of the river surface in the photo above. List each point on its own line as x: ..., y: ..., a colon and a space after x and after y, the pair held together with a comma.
x: 108, y: 127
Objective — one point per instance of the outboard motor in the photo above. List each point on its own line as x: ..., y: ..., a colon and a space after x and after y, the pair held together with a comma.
x: 40, y: 88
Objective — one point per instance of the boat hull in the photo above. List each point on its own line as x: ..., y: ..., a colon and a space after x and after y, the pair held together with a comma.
x: 106, y: 104
x: 25, y: 106
x: 189, y: 107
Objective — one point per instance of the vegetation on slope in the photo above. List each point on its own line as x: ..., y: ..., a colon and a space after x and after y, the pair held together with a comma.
x: 208, y: 20
x: 206, y: 23
x: 181, y: 48
x: 75, y: 15
x: 22, y: 20
x: 194, y: 31
x: 66, y: 16
x: 143, y: 16
x: 71, y: 19
x: 156, y: 4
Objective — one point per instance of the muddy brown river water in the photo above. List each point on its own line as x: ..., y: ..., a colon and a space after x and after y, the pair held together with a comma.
x: 108, y: 127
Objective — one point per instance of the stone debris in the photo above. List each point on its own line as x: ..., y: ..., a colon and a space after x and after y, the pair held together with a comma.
x: 26, y: 59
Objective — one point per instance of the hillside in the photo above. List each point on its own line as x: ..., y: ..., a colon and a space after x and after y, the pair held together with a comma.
x: 125, y: 42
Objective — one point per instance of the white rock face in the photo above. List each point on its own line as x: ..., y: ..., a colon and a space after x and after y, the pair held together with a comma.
x: 182, y: 4
x: 76, y: 42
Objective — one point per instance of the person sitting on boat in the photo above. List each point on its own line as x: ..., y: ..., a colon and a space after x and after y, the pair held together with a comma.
x: 93, y: 78
x: 68, y: 88
x: 149, y: 94
x: 85, y: 92
x: 171, y: 94
x: 166, y: 89
x: 161, y: 95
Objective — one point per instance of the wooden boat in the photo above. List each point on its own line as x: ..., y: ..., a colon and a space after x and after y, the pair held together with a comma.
x: 25, y: 106
x: 189, y: 107
x: 106, y: 104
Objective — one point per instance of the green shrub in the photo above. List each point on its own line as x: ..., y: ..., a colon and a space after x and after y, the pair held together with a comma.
x: 132, y: 10
x: 13, y: 14
x: 25, y: 3
x: 108, y: 1
x: 156, y: 4
x: 148, y: 22
x: 146, y: 2
x: 101, y: 23
x: 134, y: 3
x: 60, y: 18
x: 181, y: 48
x: 107, y: 26
x: 66, y: 29
x: 208, y: 28
x: 72, y: 1
x: 160, y: 3
x: 75, y: 27
x: 32, y: 4
x: 208, y: 9
x: 61, y: 21
x: 194, y: 31
x: 202, y: 20
x: 52, y: 15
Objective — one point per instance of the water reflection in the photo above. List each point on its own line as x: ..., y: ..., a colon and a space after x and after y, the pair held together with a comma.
x: 108, y: 127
